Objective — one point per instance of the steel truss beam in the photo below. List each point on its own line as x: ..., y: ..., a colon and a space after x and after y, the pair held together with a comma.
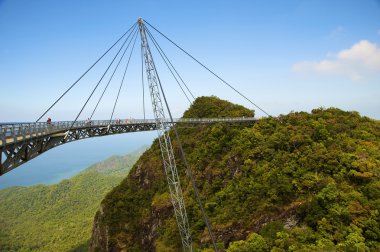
x: 21, y: 142
x: 168, y: 158
x: 19, y: 152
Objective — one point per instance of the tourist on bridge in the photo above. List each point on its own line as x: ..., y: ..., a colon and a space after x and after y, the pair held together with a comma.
x: 49, y: 121
x: 88, y: 122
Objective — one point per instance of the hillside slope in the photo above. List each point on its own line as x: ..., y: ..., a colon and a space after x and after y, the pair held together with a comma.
x: 58, y: 217
x: 300, y: 182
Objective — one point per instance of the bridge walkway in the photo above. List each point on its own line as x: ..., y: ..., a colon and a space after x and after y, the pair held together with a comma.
x: 20, y: 142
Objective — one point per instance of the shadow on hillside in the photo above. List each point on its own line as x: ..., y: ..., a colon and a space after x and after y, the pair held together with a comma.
x: 82, y: 247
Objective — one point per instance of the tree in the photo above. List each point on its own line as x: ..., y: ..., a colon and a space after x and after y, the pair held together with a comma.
x: 254, y: 242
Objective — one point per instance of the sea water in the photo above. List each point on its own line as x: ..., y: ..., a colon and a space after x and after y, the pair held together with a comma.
x: 67, y: 160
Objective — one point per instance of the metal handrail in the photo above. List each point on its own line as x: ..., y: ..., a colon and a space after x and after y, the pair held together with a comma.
x: 23, y: 131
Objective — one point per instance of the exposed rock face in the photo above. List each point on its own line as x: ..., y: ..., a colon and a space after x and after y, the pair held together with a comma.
x: 99, y: 241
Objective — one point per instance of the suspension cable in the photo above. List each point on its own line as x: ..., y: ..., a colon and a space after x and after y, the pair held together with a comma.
x: 205, y: 218
x: 183, y: 91
x: 122, y: 56
x: 213, y: 73
x: 158, y: 47
x: 125, y: 71
x: 84, y: 105
x: 142, y: 80
x: 190, y: 173
x: 84, y: 74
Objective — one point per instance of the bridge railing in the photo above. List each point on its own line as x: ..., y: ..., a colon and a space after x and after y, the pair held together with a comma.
x: 219, y: 119
x: 16, y: 132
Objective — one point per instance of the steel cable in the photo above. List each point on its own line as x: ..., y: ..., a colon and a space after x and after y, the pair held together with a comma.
x: 197, y: 196
x: 142, y: 80
x: 205, y: 218
x: 84, y: 105
x: 126, y: 48
x: 84, y: 74
x: 125, y: 71
x: 217, y: 76
x: 180, y: 86
x: 162, y: 51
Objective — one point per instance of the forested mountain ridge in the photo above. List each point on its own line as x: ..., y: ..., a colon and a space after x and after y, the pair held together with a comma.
x: 299, y: 182
x: 58, y: 217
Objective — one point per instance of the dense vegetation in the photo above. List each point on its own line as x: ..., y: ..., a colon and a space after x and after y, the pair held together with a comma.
x: 213, y: 107
x: 299, y: 182
x: 58, y: 217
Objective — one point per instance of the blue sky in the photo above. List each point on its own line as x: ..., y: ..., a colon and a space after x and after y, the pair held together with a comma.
x: 284, y: 55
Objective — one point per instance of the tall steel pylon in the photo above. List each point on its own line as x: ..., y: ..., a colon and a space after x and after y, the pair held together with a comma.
x: 165, y: 142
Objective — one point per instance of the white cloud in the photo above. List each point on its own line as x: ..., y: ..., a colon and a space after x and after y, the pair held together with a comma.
x: 361, y: 59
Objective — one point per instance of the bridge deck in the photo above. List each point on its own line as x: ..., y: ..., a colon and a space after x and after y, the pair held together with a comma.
x: 12, y: 133
x: 21, y: 142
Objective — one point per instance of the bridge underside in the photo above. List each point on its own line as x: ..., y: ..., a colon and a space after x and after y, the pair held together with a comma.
x: 18, y: 152
x: 21, y: 143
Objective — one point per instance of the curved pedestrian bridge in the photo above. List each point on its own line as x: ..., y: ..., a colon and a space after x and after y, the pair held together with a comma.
x: 20, y: 142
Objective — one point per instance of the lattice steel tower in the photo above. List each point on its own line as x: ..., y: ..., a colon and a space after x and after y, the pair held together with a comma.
x: 163, y: 127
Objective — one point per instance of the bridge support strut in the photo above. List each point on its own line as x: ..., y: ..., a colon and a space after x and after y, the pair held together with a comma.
x: 163, y: 126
